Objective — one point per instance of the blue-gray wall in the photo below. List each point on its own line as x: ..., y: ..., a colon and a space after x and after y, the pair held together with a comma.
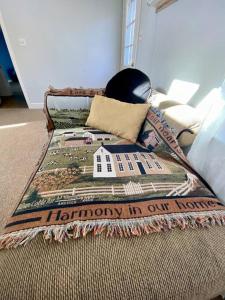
x: 5, y: 60
x: 68, y: 43
x: 186, y: 42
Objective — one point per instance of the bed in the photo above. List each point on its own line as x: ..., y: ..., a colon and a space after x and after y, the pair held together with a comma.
x: 176, y: 264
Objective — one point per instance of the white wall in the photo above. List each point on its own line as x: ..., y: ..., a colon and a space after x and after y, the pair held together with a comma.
x: 69, y: 43
x: 146, y: 44
x: 186, y: 41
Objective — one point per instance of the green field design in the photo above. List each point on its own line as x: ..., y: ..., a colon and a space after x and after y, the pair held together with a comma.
x: 69, y: 118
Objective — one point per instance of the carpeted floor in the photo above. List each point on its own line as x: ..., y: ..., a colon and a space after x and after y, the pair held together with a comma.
x: 178, y: 265
x: 22, y: 135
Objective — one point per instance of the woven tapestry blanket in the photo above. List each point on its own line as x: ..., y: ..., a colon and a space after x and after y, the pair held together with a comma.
x: 88, y: 180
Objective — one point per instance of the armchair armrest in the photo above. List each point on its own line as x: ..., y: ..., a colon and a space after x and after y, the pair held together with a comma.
x: 184, y: 130
x: 67, y: 92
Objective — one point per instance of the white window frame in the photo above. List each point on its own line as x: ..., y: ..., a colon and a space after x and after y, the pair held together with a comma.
x: 135, y: 156
x: 118, y: 158
x: 158, y: 165
x: 99, y: 168
x: 136, y: 33
x: 107, y: 158
x: 148, y: 164
x: 121, y: 167
x: 109, y: 168
x: 127, y: 156
x: 130, y: 165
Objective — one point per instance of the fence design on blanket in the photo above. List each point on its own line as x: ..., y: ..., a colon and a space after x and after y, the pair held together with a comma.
x: 131, y: 188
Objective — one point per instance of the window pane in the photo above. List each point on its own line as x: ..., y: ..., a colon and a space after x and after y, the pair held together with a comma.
x: 133, y: 9
x: 129, y: 32
x: 131, y: 12
x: 121, y: 167
x: 118, y: 157
x: 135, y: 156
x: 109, y: 168
x: 127, y: 157
x: 126, y: 56
x: 130, y: 56
x: 130, y: 166
x: 129, y: 37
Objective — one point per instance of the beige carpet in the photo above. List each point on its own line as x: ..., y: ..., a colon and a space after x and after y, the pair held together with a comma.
x: 22, y: 135
x: 178, y: 265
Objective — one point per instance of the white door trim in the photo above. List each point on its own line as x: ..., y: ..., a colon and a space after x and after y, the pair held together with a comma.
x: 13, y: 58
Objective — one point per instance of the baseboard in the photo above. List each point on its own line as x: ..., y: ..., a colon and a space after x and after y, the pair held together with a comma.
x: 36, y: 105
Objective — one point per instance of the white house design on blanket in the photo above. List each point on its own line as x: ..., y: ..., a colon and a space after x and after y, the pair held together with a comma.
x: 98, y: 135
x: 126, y: 160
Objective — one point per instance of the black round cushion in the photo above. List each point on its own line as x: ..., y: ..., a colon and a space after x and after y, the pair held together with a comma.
x: 129, y: 85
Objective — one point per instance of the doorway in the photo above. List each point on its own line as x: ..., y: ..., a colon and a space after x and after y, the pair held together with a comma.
x: 141, y: 168
x: 11, y: 94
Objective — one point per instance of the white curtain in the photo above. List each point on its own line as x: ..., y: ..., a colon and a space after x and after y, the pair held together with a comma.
x: 207, y: 154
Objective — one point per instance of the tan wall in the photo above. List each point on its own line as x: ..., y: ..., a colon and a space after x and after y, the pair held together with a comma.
x: 127, y: 171
x: 136, y: 171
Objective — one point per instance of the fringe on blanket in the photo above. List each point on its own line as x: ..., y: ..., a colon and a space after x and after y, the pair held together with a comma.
x: 74, y: 91
x: 121, y: 228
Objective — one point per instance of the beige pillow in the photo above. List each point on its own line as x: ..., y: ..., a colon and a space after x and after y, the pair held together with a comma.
x: 119, y: 118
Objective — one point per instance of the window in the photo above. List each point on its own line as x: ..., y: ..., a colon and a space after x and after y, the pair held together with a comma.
x: 148, y: 164
x: 158, y: 165
x: 107, y: 158
x: 99, y: 139
x: 121, y: 168
x: 135, y: 157
x: 118, y: 157
x: 98, y: 158
x: 127, y: 157
x: 109, y: 168
x: 151, y: 156
x: 99, y: 168
x: 130, y: 31
x: 130, y: 166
